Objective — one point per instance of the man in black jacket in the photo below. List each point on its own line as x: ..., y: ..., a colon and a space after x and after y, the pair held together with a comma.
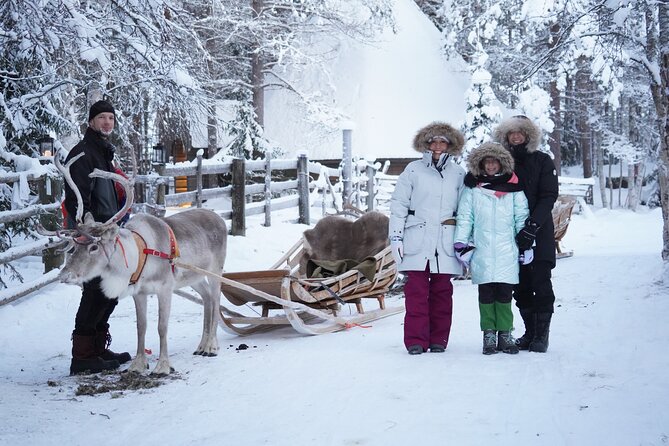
x: 534, y: 293
x: 91, y: 338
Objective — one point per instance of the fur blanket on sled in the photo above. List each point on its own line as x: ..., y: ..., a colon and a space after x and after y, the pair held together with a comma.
x: 336, y: 238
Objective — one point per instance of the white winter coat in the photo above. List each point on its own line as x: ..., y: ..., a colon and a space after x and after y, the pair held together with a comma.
x: 491, y: 224
x: 433, y: 198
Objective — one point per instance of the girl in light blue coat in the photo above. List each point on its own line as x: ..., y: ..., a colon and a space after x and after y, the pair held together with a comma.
x: 490, y: 215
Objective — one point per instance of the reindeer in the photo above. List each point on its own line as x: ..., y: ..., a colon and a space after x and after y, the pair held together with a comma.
x: 137, y: 260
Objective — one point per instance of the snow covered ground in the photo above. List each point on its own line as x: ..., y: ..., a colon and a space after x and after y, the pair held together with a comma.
x: 603, y: 380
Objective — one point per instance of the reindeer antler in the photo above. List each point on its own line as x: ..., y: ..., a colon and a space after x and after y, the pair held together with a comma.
x: 127, y: 185
x: 65, y: 170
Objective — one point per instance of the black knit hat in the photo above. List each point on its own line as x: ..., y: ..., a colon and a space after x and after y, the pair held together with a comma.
x: 100, y: 107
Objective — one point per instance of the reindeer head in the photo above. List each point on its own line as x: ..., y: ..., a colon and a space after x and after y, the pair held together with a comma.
x: 90, y: 251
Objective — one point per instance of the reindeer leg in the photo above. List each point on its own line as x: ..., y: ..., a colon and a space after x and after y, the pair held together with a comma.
x: 164, y: 306
x: 210, y: 293
x: 140, y: 363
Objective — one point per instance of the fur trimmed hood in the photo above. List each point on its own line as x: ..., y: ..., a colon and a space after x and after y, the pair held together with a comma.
x: 518, y: 124
x: 493, y: 150
x: 457, y: 140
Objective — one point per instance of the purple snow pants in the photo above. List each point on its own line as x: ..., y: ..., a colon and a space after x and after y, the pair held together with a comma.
x: 429, y: 308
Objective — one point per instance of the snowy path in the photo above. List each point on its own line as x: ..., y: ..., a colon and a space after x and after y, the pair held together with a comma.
x: 603, y: 380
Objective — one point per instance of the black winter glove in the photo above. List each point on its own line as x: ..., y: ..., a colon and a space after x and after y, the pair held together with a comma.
x: 525, y: 238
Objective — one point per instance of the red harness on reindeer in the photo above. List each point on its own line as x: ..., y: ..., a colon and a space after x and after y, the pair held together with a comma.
x: 144, y: 252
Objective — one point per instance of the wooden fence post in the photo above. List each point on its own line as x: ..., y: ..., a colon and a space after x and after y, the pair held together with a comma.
x: 163, y: 188
x: 51, y: 191
x: 303, y: 188
x: 238, y: 225
x: 268, y: 189
x: 371, y: 193
x: 347, y: 160
x: 198, y: 200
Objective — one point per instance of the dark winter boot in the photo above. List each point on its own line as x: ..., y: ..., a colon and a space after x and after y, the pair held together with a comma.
x: 506, y: 343
x: 85, y: 358
x: 415, y: 349
x: 540, y: 341
x: 523, y: 342
x: 489, y: 342
x: 103, y: 341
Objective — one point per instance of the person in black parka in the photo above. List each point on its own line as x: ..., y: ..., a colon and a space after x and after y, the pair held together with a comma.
x: 534, y: 293
x: 91, y: 338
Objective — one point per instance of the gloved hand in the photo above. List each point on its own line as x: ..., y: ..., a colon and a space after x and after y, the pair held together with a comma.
x: 459, y: 247
x: 463, y: 253
x: 397, y: 249
x: 525, y: 238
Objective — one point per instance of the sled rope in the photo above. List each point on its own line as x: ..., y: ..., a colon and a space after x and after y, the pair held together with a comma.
x: 276, y: 300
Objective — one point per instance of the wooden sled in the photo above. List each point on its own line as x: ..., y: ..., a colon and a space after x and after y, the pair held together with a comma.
x: 562, y: 210
x: 310, y: 306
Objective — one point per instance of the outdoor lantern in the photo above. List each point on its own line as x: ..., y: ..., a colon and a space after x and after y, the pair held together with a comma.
x: 46, y: 146
x: 159, y: 154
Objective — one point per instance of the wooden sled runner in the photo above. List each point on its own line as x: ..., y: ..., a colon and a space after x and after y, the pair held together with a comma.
x: 310, y: 305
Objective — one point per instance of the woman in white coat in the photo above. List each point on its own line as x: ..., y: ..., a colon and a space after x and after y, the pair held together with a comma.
x: 490, y: 215
x: 422, y: 225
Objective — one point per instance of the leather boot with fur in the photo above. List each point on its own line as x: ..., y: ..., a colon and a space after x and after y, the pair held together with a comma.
x: 540, y: 341
x: 523, y: 342
x: 103, y: 341
x: 84, y: 357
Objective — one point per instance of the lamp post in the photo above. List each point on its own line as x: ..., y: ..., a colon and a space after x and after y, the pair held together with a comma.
x: 159, y: 154
x: 50, y: 190
x: 45, y: 148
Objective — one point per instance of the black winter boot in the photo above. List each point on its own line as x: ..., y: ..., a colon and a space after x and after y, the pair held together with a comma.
x: 84, y: 357
x: 523, y: 342
x: 103, y: 341
x: 505, y: 343
x: 540, y: 341
x: 489, y: 342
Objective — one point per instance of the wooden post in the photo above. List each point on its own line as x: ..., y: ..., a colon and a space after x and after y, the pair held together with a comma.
x: 325, y: 196
x: 347, y: 160
x: 198, y: 195
x: 238, y: 225
x: 163, y: 188
x: 303, y: 188
x: 268, y: 189
x: 371, y: 193
x: 50, y: 191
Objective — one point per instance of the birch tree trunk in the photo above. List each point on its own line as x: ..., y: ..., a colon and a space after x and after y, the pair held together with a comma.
x: 663, y: 6
x: 258, y: 78
x: 657, y: 49
x: 583, y: 124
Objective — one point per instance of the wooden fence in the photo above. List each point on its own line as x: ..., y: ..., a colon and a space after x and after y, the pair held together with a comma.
x: 310, y: 179
x: 274, y: 195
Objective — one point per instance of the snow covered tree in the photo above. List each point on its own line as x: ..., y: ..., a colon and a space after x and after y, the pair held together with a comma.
x: 481, y: 115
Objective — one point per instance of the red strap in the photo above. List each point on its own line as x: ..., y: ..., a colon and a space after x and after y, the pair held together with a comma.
x: 153, y: 252
x: 351, y: 325
x: 174, y: 250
